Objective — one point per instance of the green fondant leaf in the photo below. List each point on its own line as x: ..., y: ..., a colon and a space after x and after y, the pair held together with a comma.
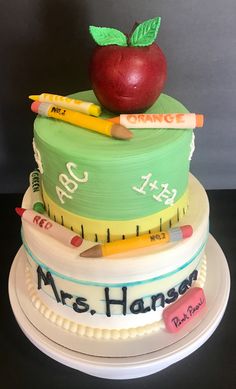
x: 146, y: 32
x: 104, y: 36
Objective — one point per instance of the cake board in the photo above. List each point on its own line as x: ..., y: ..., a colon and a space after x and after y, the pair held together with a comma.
x: 149, y: 359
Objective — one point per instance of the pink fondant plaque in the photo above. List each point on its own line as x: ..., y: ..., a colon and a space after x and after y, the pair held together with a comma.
x: 184, y: 309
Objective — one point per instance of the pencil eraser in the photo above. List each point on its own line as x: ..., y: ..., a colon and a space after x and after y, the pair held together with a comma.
x: 184, y: 310
x: 187, y: 231
x: 35, y: 106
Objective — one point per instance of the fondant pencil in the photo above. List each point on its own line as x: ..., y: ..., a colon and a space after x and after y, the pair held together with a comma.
x: 160, y: 120
x: 157, y: 238
x: 102, y: 126
x: 67, y: 102
x: 49, y: 227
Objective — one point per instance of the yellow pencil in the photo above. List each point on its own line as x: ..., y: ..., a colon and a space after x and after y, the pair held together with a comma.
x: 102, y: 126
x: 67, y: 102
x: 157, y: 238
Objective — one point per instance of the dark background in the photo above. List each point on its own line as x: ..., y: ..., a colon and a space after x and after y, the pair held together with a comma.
x: 45, y: 46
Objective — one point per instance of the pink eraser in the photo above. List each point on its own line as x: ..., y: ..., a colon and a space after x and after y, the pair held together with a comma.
x: 187, y: 231
x: 35, y: 106
x: 186, y: 308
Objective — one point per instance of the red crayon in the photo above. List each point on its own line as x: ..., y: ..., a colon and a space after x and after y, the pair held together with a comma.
x: 49, y: 227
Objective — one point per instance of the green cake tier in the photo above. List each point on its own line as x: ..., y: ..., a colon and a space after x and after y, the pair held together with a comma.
x: 106, y: 188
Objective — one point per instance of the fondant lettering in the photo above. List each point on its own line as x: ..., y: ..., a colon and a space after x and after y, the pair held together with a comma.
x: 132, y: 119
x: 184, y: 287
x: 193, y: 309
x: 64, y: 296
x: 70, y: 184
x: 172, y: 294
x: 158, y: 236
x: 146, y: 178
x: 137, y: 306
x: 169, y: 118
x: 166, y: 195
x: 80, y: 306
x: 162, y: 192
x: 155, y: 118
x: 155, y: 298
x: 41, y: 222
x: 141, y: 118
x: 36, y: 219
x: 58, y: 110
x: 48, y: 280
x: 179, y: 118
x: 71, y: 165
x: 177, y: 321
x: 193, y: 277
x: 61, y: 194
x: 35, y: 184
x: 122, y: 302
x: 158, y: 118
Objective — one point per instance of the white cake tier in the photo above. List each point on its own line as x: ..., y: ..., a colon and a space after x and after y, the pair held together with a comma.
x: 124, y: 293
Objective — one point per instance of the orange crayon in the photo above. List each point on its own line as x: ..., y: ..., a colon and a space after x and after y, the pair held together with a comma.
x: 160, y: 120
x: 49, y: 227
x: 102, y: 126
x: 156, y: 238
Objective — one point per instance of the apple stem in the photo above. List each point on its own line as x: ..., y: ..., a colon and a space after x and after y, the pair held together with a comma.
x: 131, y: 32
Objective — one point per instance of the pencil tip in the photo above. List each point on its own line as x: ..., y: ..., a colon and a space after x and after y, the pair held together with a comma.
x: 92, y: 252
x: 121, y: 132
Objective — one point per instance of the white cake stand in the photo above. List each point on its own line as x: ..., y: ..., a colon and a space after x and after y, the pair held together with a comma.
x: 115, y: 360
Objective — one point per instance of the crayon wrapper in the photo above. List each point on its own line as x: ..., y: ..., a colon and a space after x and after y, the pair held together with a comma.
x: 69, y: 103
x: 36, y: 194
x: 175, y: 120
x: 49, y: 227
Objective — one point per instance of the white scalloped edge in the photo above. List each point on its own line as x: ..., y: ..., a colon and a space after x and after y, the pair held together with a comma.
x: 37, y: 157
x: 99, y: 333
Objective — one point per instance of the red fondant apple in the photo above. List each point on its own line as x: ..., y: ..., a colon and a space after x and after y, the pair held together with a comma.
x: 128, y: 74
